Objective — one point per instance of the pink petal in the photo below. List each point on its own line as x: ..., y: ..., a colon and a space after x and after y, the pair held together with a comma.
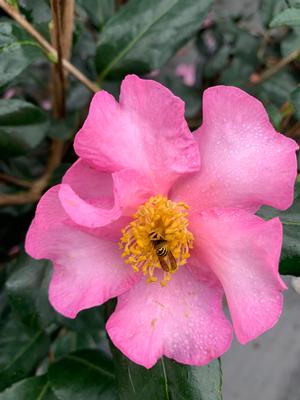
x: 244, y: 161
x: 87, y: 270
x: 94, y: 199
x: 243, y: 251
x: 88, y: 182
x: 87, y: 196
x: 145, y: 132
x: 183, y: 321
x: 131, y: 189
x: 83, y: 212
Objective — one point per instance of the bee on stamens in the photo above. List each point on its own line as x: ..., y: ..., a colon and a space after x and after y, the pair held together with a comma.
x: 165, y: 257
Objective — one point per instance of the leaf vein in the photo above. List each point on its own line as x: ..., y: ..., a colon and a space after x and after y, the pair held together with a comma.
x: 132, y: 43
x: 22, y: 351
x: 44, y: 390
x: 90, y: 365
x: 165, y: 379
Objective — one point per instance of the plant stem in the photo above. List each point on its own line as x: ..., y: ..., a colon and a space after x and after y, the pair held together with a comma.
x: 58, y: 94
x: 57, y: 71
x: 277, y: 67
x: 37, y: 187
x: 15, y: 181
x: 50, y: 50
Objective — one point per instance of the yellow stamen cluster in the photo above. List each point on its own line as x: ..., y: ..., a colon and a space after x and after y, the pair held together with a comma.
x: 160, y: 218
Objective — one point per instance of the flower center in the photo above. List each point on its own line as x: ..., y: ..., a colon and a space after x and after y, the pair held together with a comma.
x: 157, y: 238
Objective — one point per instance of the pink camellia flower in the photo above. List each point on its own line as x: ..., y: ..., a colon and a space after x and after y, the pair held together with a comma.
x: 165, y: 220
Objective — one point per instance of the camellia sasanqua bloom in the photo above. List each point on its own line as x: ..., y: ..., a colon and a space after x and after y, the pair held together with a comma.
x: 165, y: 220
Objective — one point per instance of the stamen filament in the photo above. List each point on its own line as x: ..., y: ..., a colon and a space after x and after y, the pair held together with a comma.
x: 158, y: 238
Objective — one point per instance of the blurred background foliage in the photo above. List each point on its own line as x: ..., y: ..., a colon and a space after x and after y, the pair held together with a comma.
x: 188, y: 45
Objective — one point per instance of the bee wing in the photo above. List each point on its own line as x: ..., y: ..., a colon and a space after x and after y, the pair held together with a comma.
x: 172, y: 261
x: 163, y: 263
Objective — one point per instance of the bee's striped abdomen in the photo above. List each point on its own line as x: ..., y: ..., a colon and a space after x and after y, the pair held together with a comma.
x: 162, y: 251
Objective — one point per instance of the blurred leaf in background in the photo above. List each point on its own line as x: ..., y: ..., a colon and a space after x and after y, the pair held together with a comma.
x: 17, y: 49
x: 22, y: 127
x: 143, y: 35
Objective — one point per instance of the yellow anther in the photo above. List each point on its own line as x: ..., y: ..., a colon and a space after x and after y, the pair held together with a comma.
x: 151, y: 279
x: 157, y: 238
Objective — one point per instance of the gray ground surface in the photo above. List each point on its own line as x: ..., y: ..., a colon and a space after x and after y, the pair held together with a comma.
x: 268, y: 368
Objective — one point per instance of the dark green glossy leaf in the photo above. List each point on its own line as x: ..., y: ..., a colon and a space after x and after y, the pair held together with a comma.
x: 190, y: 95
x: 269, y: 9
x: 22, y: 127
x: 27, y: 289
x: 289, y: 17
x: 295, y: 3
x: 91, y: 321
x: 244, y: 62
x: 237, y: 73
x: 144, y: 34
x: 167, y: 380
x: 86, y: 374
x: 291, y: 42
x: 36, y: 388
x: 78, y: 98
x: 295, y: 99
x: 17, y: 52
x: 218, y: 62
x: 39, y: 10
x: 277, y: 89
x: 98, y: 10
x: 21, y: 350
x: 275, y: 115
x: 290, y: 257
x: 72, y: 341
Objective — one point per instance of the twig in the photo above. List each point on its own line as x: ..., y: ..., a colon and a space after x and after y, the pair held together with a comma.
x: 38, y: 186
x: 259, y: 78
x: 67, y: 26
x: 58, y: 76
x: 294, y: 131
x: 56, y: 152
x: 51, y: 51
x: 16, y: 181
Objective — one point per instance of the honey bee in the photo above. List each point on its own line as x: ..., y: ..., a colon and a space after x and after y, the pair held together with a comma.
x: 165, y: 257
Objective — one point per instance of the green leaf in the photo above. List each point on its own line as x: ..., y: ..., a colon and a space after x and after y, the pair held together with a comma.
x: 277, y: 88
x: 86, y: 374
x: 27, y: 289
x: 217, y: 62
x: 17, y: 52
x: 21, y: 350
x: 236, y: 73
x: 91, y: 321
x: 295, y: 3
x: 290, y: 256
x: 275, y: 115
x: 22, y: 127
x: 36, y: 388
x: 98, y: 10
x: 295, y: 100
x: 290, y: 42
x: 190, y: 95
x: 39, y: 10
x: 268, y: 9
x: 144, y: 34
x: 72, y: 341
x: 167, y: 380
x: 289, y: 17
